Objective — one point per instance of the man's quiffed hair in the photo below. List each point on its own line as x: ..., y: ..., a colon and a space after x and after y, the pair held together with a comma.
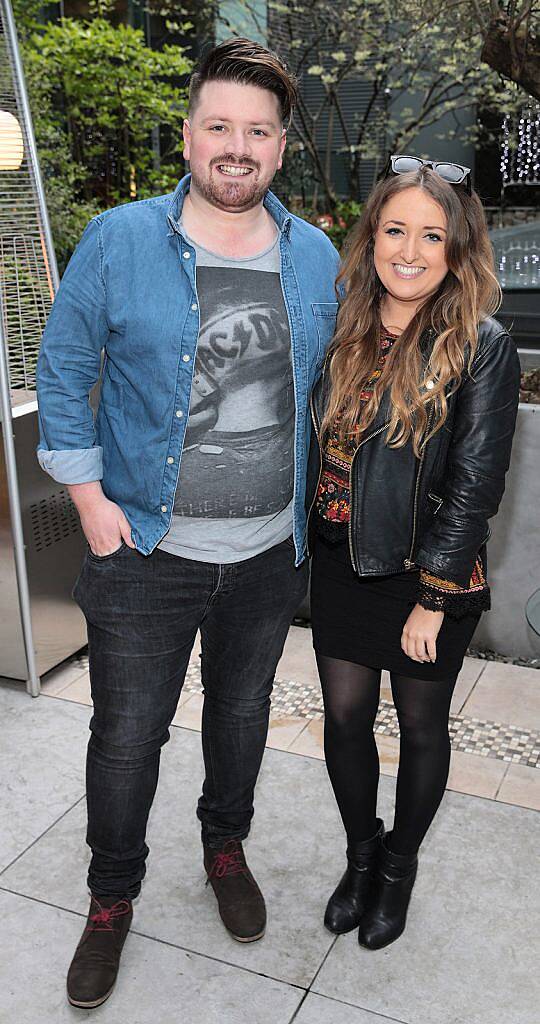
x: 247, y: 63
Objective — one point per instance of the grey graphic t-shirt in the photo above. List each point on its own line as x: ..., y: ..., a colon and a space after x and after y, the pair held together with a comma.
x: 234, y: 493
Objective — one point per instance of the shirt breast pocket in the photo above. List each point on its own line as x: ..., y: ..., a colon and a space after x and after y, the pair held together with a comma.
x: 325, y: 315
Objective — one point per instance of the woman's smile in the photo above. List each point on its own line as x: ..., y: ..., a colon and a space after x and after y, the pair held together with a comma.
x: 402, y: 270
x: 409, y: 251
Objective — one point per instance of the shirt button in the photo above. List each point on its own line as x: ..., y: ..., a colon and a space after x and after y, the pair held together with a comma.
x: 170, y: 460
x: 187, y: 255
x: 179, y: 413
x: 163, y: 508
x: 186, y: 358
x: 194, y: 306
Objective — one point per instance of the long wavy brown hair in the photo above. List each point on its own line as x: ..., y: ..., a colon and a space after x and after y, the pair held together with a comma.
x: 469, y: 292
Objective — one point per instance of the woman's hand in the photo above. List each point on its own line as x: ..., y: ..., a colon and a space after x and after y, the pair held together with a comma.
x: 420, y: 632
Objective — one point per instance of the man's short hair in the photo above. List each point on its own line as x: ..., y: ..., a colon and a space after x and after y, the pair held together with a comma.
x: 247, y: 63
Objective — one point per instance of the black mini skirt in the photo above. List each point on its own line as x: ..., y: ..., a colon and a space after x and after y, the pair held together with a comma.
x: 361, y: 618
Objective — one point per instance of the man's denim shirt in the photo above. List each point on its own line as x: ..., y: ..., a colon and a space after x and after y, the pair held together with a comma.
x: 130, y: 290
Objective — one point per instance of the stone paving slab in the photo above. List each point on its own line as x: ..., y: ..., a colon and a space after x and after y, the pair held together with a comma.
x: 320, y: 1010
x: 467, y: 956
x: 471, y: 943
x: 158, y: 984
x: 295, y: 851
x: 521, y: 786
x: 511, y: 692
x: 43, y: 756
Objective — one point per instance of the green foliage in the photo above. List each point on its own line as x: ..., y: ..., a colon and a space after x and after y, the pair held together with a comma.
x: 101, y: 100
x: 240, y: 18
x: 101, y: 7
x: 110, y: 90
x: 26, y: 14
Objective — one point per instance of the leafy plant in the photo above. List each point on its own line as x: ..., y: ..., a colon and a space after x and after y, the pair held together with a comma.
x: 107, y: 114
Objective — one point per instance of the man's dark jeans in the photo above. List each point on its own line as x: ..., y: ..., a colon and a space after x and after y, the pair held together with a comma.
x: 143, y: 613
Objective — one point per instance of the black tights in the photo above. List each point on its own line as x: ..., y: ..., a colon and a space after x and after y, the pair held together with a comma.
x: 351, y: 700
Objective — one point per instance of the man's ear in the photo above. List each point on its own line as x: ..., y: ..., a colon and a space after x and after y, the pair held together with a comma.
x: 283, y: 143
x: 186, y: 133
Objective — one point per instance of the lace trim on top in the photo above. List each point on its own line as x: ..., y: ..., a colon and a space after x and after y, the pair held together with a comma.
x: 440, y: 595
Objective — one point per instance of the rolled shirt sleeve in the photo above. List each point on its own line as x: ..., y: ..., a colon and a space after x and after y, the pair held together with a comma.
x: 76, y: 466
x: 69, y: 365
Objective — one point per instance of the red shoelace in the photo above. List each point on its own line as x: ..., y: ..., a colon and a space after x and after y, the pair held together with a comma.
x: 102, y: 921
x: 228, y: 861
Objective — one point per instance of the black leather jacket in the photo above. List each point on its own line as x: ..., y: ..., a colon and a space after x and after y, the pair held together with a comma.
x: 433, y: 511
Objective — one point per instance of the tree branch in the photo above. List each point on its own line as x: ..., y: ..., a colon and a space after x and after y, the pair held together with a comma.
x: 514, y: 55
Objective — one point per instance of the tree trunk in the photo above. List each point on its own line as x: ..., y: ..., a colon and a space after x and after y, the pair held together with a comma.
x: 513, y: 54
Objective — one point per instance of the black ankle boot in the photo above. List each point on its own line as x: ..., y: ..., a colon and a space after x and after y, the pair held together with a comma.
x: 386, y: 912
x: 346, y: 904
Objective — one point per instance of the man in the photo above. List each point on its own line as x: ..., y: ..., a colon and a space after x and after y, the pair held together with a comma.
x: 214, y: 307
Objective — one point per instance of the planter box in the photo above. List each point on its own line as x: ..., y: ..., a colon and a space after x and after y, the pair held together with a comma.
x: 514, y: 548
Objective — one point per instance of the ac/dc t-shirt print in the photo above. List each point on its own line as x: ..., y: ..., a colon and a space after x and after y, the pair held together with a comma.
x: 237, y: 470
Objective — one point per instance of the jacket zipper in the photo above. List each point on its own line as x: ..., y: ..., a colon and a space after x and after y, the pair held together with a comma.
x: 408, y: 562
x: 318, y: 436
x: 368, y: 438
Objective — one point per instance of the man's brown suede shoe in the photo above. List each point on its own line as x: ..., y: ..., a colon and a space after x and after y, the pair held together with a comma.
x: 240, y: 901
x: 94, y: 967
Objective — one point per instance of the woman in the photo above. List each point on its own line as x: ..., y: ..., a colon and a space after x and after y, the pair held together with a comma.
x: 414, y: 415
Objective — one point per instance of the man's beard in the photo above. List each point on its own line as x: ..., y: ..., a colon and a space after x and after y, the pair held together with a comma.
x: 231, y: 195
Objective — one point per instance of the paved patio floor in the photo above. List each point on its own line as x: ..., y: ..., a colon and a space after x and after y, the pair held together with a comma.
x: 469, y: 952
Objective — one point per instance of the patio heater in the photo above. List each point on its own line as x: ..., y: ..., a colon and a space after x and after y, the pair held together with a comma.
x: 41, y: 542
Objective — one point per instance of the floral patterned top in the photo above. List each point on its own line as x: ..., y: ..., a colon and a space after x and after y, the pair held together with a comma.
x: 332, y: 505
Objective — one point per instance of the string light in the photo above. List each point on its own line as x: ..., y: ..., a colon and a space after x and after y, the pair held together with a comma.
x: 520, y: 151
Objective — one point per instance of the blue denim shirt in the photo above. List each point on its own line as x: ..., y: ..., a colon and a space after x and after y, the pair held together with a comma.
x: 130, y: 290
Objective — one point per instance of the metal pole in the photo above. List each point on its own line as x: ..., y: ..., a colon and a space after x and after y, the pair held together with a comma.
x: 11, y: 34
x: 32, y: 682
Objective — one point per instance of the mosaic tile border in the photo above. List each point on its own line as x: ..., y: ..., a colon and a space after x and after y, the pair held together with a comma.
x: 502, y: 742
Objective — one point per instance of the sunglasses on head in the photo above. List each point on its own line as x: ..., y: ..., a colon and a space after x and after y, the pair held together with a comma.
x: 454, y: 174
